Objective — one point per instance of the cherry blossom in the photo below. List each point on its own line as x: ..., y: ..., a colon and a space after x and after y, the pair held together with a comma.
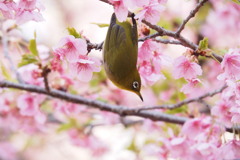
x: 186, y: 69
x: 214, y: 27
x: 151, y: 12
x: 87, y: 141
x: 199, y: 139
x: 159, y: 60
x: 120, y: 9
x: 149, y: 74
x: 68, y: 108
x: 231, y: 65
x: 8, y: 151
x: 29, y: 11
x: 150, y: 61
x: 222, y: 111
x: 29, y: 106
x: 133, y: 4
x: 5, y: 102
x: 84, y: 68
x: 191, y: 86
x: 8, y: 9
x: 27, y: 5
x: 25, y: 16
x: 230, y: 150
x: 71, y: 47
x: 146, y: 49
x: 201, y: 134
x: 31, y: 74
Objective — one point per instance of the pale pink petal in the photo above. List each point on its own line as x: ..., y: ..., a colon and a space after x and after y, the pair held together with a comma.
x: 25, y: 16
x: 70, y: 47
x: 84, y: 68
x: 151, y: 12
x: 190, y: 87
x: 27, y: 5
x: 8, y: 9
x: 146, y: 49
x: 133, y: 4
x: 186, y: 69
x: 222, y: 112
x: 120, y: 10
x: 121, y: 13
x: 231, y: 65
x: 40, y: 117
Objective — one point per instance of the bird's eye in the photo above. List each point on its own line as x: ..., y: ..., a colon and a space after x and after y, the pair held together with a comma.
x: 135, y: 84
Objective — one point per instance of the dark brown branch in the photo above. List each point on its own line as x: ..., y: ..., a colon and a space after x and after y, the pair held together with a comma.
x: 94, y: 46
x: 45, y: 73
x: 121, y: 110
x: 191, y: 15
x: 187, y: 101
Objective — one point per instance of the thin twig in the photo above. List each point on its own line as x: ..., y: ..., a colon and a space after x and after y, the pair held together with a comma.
x: 149, y: 37
x: 191, y: 15
x: 187, y: 101
x: 45, y: 73
x: 164, y: 32
x: 121, y: 110
x: 100, y: 45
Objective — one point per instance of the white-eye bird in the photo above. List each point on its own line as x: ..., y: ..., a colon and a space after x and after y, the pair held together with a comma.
x: 120, y: 55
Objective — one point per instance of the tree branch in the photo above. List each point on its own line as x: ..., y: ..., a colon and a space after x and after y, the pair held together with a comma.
x: 94, y: 46
x: 121, y: 110
x: 167, y: 41
x: 149, y: 37
x: 164, y: 32
x: 187, y: 101
x: 45, y: 73
x: 191, y: 15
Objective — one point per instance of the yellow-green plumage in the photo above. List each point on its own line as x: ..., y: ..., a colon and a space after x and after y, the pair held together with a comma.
x: 120, y: 55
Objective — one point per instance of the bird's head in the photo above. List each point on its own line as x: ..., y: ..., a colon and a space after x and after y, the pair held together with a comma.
x: 133, y: 84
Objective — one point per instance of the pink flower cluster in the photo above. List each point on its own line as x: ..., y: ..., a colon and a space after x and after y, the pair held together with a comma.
x: 150, y: 9
x: 74, y: 50
x: 219, y: 32
x: 31, y: 74
x: 87, y: 141
x: 151, y: 60
x: 22, y: 114
x: 7, y: 151
x: 23, y: 11
x: 227, y: 110
x: 184, y: 68
x: 200, y: 139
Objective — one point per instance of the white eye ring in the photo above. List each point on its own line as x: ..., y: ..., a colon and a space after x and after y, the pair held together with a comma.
x: 135, y: 84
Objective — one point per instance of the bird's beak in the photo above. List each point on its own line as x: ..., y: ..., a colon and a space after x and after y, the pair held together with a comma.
x: 140, y: 96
